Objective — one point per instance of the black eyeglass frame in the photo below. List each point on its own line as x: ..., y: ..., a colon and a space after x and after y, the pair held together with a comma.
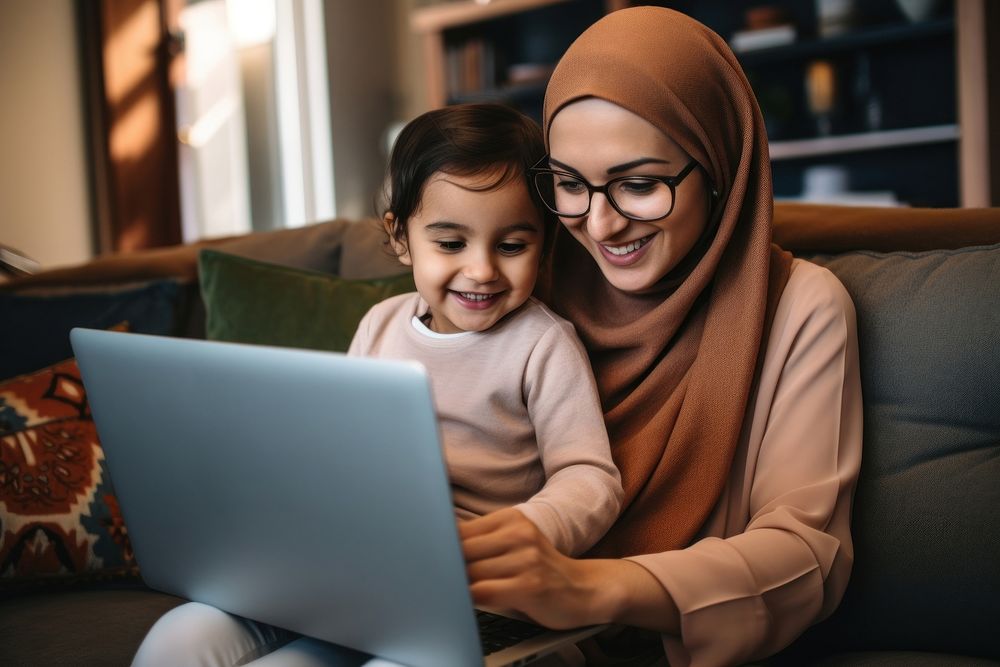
x: 670, y: 181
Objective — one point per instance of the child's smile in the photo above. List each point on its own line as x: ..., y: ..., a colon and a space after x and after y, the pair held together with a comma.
x: 474, y: 250
x: 476, y: 300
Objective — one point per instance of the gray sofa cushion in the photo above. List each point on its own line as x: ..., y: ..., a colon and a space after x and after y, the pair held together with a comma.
x: 315, y: 247
x: 899, y: 659
x: 927, y: 509
x: 353, y: 249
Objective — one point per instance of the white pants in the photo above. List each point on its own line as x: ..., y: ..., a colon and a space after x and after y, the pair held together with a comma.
x: 198, y: 635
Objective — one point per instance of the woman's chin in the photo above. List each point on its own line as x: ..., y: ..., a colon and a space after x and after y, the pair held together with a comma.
x: 628, y: 280
x: 633, y: 278
x: 637, y: 277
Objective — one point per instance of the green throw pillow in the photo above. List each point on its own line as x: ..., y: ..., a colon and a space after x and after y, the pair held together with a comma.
x: 247, y: 301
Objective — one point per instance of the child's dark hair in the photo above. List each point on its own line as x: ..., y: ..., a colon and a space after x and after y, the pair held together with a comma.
x: 463, y: 140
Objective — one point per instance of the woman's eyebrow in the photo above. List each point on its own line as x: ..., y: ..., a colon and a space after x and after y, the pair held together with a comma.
x: 636, y: 163
x: 562, y: 165
x: 618, y: 167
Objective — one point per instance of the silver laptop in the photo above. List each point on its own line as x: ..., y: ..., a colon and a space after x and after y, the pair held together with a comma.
x: 302, y: 489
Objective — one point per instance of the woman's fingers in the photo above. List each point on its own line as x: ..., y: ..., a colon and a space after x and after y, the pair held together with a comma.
x: 525, y: 596
x: 497, y: 534
x: 512, y: 565
x: 499, y: 594
x: 509, y: 564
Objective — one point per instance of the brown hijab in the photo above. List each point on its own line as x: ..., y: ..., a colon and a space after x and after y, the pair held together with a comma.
x: 675, y: 368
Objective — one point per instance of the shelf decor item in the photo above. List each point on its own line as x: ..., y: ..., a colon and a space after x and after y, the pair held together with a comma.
x: 834, y: 17
x: 821, y: 92
x: 764, y: 27
x: 762, y: 38
x: 918, y: 10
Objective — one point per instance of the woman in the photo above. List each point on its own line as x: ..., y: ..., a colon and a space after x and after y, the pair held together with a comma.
x: 728, y: 372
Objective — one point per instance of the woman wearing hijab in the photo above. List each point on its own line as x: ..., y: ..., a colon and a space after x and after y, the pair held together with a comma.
x: 728, y: 371
x: 728, y: 374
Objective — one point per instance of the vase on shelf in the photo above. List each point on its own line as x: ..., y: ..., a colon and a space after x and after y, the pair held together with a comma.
x: 821, y: 91
x: 834, y: 17
x: 916, y: 11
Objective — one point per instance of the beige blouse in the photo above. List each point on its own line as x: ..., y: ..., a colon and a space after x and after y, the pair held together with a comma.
x: 776, y: 553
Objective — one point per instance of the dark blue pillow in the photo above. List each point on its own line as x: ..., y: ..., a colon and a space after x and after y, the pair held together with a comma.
x: 35, y: 328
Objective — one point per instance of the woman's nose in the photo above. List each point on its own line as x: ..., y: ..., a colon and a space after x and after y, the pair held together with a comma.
x: 481, y: 268
x: 603, y: 221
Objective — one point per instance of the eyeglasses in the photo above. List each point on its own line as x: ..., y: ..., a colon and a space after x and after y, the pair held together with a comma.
x: 642, y: 198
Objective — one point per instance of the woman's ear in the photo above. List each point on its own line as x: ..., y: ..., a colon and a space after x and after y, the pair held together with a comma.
x: 397, y: 243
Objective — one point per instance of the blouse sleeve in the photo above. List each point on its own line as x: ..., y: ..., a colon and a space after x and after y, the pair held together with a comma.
x: 750, y: 592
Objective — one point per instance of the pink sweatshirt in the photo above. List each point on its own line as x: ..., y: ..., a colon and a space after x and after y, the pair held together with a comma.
x: 520, y: 417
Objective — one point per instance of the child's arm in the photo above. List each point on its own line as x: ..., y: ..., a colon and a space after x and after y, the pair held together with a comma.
x: 583, y: 493
x: 361, y: 342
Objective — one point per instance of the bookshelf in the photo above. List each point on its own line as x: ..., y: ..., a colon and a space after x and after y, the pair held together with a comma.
x: 499, y: 50
x: 905, y: 116
x: 872, y: 104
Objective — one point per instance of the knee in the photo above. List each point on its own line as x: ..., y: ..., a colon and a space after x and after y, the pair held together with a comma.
x: 194, y: 634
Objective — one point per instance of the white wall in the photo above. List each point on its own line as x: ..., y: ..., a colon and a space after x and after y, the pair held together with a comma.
x: 361, y: 42
x: 411, y: 73
x: 44, y: 202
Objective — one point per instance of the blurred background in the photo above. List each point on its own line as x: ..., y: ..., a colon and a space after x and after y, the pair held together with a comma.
x: 129, y: 124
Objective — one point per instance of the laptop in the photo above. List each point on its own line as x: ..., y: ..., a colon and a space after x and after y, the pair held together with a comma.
x: 302, y: 489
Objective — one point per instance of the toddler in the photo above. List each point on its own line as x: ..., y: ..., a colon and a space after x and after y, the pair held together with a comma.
x: 520, y: 417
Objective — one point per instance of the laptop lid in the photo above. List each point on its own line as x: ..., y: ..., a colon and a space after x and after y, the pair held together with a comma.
x: 302, y: 489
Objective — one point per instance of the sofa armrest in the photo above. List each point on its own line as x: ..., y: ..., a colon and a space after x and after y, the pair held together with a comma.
x: 317, y: 247
x: 819, y: 228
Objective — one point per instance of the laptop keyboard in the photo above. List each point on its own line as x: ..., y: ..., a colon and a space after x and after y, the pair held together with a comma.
x: 499, y: 632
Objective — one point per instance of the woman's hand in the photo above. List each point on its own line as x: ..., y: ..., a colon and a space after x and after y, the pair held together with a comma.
x: 512, y: 565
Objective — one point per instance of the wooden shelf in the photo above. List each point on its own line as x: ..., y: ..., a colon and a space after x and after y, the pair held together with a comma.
x: 862, y: 38
x: 463, y: 12
x: 866, y: 141
x: 514, y: 91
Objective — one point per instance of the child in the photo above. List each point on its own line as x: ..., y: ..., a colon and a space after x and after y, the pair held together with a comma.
x: 520, y: 416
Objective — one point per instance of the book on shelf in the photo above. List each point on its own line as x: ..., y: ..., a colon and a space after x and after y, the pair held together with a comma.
x: 763, y: 38
x: 471, y: 67
x: 529, y: 73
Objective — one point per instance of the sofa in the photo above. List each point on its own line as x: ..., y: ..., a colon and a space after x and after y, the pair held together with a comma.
x: 925, y: 589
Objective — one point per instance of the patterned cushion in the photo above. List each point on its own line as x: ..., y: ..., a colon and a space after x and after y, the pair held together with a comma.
x: 58, y: 513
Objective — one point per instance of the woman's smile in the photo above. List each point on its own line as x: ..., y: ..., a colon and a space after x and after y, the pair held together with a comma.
x: 623, y: 254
